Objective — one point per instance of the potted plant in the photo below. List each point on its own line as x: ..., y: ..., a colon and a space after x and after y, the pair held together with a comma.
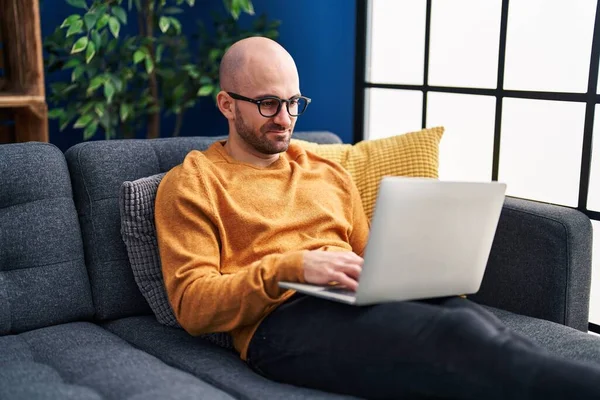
x: 119, y: 83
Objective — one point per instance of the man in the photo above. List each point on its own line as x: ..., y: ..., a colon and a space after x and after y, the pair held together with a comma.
x: 254, y: 210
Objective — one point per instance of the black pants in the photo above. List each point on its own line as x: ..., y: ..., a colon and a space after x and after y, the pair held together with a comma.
x: 443, y: 348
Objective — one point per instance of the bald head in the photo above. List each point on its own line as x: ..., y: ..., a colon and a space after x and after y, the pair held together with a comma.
x: 247, y: 61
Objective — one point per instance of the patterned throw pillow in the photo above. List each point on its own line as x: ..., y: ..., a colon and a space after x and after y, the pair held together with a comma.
x: 136, y: 203
x: 414, y: 154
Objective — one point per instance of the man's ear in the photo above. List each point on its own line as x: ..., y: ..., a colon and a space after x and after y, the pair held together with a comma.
x: 225, y: 104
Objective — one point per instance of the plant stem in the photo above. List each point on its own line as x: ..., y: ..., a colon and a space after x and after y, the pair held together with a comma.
x: 178, y: 123
x: 154, y: 118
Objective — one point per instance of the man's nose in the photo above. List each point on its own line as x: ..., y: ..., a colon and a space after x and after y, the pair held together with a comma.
x: 283, y: 117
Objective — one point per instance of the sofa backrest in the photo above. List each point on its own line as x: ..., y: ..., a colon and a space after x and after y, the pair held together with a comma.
x: 43, y: 279
x: 97, y: 171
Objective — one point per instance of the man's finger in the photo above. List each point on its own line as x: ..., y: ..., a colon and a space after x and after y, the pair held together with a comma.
x: 354, y: 258
x: 345, y: 280
x: 352, y: 270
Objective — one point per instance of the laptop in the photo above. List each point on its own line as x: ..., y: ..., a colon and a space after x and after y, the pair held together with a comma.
x: 428, y: 238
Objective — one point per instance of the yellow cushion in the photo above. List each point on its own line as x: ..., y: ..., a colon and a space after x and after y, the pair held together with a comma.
x: 411, y: 154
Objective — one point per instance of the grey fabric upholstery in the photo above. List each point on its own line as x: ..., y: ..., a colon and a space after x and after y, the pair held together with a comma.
x: 97, y: 171
x: 540, y: 263
x: 561, y: 340
x: 43, y: 279
x: 219, y: 367
x: 84, y: 361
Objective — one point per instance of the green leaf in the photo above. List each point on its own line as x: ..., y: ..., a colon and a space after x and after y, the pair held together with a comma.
x: 77, y: 72
x: 80, y: 45
x: 100, y: 109
x: 149, y: 65
x: 112, y: 45
x: 163, y: 24
x: 176, y: 24
x: 159, y: 52
x: 114, y: 25
x: 214, y: 54
x: 83, y: 121
x: 117, y: 82
x: 78, y: 3
x: 191, y: 2
x: 193, y: 71
x: 97, y: 39
x: 109, y: 91
x: 70, y: 19
x: 246, y: 6
x: 85, y: 109
x: 178, y: 92
x: 65, y: 119
x: 102, y: 21
x: 75, y: 28
x: 120, y: 13
x: 102, y: 8
x: 138, y: 56
x: 73, y: 62
x: 125, y: 111
x: 90, y: 52
x: 90, y: 20
x: 205, y: 90
x: 56, y: 113
x: 90, y: 130
x: 272, y: 34
x: 58, y: 86
x: 172, y: 10
x: 96, y: 82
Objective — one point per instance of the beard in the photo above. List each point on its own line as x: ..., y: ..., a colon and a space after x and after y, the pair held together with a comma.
x: 258, y: 140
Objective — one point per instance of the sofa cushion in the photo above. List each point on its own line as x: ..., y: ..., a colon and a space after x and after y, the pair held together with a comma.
x: 43, y: 280
x: 97, y: 170
x: 414, y: 154
x: 219, y: 367
x: 558, y: 339
x: 84, y: 361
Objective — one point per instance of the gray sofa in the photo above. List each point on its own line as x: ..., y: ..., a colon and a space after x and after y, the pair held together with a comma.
x: 73, y: 323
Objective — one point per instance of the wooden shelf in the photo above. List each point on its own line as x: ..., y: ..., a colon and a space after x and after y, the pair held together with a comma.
x: 8, y: 99
x: 23, y: 105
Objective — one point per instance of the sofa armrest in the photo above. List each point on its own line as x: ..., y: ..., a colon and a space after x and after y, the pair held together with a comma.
x: 540, y: 263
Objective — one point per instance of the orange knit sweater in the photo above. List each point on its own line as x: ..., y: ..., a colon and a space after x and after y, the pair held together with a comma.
x: 229, y: 231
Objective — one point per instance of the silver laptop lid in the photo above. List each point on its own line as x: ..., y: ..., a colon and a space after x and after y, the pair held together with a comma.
x: 429, y: 238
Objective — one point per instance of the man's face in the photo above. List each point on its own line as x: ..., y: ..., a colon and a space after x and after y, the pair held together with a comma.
x: 268, y: 76
x: 264, y: 135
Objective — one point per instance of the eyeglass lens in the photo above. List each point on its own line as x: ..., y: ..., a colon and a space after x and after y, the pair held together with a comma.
x: 295, y: 106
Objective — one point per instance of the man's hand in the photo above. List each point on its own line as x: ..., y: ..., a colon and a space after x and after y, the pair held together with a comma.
x: 323, y: 267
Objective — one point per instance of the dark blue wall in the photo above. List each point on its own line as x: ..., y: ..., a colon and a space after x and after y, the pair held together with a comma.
x: 319, y: 34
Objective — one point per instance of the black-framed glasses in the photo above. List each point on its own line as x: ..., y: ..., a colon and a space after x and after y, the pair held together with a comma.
x: 270, y: 106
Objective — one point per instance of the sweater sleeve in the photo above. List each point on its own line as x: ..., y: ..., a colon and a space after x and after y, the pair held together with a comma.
x: 360, y: 223
x: 203, y: 299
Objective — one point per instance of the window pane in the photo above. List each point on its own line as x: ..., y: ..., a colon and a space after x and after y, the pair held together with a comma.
x: 391, y: 112
x: 464, y: 43
x: 593, y: 202
x: 397, y: 42
x: 548, y: 45
x: 467, y: 147
x: 595, y: 293
x: 540, y: 149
